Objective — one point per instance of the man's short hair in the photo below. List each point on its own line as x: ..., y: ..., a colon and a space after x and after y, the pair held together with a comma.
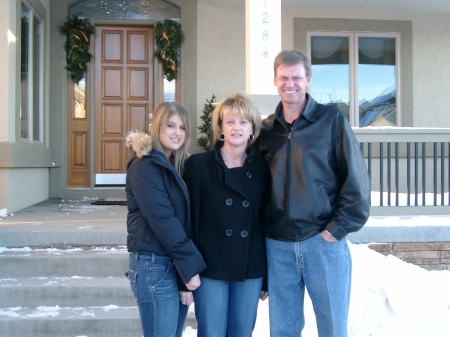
x: 291, y: 57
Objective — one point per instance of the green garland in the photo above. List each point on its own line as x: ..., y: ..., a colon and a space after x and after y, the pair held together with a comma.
x: 168, y: 39
x: 78, y: 32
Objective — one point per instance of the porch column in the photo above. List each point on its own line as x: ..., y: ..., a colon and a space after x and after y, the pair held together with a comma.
x: 263, y: 42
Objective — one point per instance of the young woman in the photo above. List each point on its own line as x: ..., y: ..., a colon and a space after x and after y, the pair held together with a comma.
x: 228, y: 188
x: 161, y: 254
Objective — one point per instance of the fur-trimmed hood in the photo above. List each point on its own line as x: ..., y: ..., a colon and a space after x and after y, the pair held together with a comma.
x: 140, y: 142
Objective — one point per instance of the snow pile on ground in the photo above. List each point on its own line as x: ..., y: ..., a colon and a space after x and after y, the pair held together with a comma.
x: 390, y: 298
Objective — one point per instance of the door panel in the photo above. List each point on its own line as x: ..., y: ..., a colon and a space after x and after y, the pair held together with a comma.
x: 124, y: 87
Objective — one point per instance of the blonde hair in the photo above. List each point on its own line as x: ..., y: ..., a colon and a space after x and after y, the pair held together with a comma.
x: 237, y: 103
x: 161, y: 116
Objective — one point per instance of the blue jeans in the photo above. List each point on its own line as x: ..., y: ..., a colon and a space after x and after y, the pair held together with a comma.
x: 154, y: 283
x: 322, y: 267
x: 224, y: 308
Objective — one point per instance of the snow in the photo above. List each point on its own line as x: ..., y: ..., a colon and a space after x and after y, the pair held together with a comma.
x: 390, y: 298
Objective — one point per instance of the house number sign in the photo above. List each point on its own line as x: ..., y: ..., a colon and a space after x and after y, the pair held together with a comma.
x: 263, y: 25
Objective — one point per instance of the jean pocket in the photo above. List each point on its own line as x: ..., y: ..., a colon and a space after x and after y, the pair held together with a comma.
x: 132, y: 275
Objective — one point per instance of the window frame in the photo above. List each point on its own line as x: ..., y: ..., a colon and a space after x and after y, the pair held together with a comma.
x: 34, y: 14
x: 353, y: 67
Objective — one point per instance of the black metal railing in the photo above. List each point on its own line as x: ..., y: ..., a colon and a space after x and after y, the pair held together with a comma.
x: 409, y: 170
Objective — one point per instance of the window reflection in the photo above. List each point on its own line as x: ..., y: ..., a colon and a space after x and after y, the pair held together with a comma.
x: 377, y: 81
x: 24, y: 37
x: 169, y: 90
x: 372, y: 74
x: 331, y: 71
x: 79, y: 96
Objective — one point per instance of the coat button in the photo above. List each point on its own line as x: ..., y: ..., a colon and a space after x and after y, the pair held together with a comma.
x: 244, y: 233
x: 245, y: 203
x: 229, y: 202
x: 229, y: 232
x: 248, y: 175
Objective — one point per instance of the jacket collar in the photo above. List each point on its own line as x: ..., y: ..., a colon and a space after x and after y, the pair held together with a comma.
x: 218, y: 155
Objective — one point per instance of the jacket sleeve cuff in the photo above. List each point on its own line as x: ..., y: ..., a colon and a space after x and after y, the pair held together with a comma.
x: 337, y: 231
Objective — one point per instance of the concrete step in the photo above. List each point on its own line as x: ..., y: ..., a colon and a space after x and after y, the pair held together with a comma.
x: 94, y: 262
x: 56, y: 321
x: 57, y: 238
x: 60, y: 224
x: 62, y: 268
x: 108, y: 321
x: 66, y: 291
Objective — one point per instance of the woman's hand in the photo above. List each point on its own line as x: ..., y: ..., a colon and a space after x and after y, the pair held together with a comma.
x: 186, y: 298
x: 194, y: 283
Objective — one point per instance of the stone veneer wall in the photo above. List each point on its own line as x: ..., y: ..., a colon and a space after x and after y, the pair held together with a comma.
x: 428, y: 255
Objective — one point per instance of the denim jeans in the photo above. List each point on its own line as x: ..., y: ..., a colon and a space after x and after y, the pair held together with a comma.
x: 322, y: 267
x: 154, y: 283
x: 224, y: 308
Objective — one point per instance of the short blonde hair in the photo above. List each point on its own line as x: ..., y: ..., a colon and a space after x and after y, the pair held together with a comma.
x: 241, y: 104
x: 161, y: 116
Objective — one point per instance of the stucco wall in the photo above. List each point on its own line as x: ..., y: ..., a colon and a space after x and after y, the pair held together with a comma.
x: 23, y: 166
x: 213, y: 62
x: 221, y: 54
x: 431, y: 73
x: 28, y: 187
x: 430, y: 60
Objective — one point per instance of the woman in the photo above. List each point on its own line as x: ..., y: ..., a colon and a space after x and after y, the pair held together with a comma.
x: 228, y: 187
x: 157, y: 223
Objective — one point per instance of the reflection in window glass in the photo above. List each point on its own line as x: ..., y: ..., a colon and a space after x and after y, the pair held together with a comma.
x: 24, y: 38
x: 79, y: 96
x: 31, y: 66
x: 330, y: 67
x: 36, y: 78
x: 169, y: 90
x: 371, y: 72
x: 377, y: 81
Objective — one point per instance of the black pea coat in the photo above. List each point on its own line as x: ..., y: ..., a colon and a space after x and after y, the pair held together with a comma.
x: 227, y: 214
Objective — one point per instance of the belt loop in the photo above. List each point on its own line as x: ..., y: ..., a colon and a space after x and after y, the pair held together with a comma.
x: 137, y: 256
x: 153, y: 257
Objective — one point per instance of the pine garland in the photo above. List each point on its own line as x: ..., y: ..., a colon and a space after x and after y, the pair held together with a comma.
x: 204, y: 141
x: 168, y: 39
x: 78, y: 32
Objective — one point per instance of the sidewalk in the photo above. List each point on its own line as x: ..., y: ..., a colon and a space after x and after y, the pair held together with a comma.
x: 48, y: 223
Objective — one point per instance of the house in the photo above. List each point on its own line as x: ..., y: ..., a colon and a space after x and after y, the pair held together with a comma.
x: 61, y: 139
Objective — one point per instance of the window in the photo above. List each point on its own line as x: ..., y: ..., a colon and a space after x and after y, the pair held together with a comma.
x: 359, y: 74
x: 31, y: 75
x: 169, y: 90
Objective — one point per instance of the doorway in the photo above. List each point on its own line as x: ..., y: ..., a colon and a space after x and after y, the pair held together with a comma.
x: 123, y: 96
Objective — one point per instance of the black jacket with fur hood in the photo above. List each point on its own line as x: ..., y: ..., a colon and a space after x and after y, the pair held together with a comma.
x: 158, y: 208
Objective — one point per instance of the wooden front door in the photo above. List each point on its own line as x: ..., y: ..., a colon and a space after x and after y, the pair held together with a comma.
x: 123, y: 95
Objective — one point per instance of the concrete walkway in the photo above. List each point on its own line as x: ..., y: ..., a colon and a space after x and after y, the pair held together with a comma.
x: 64, y: 223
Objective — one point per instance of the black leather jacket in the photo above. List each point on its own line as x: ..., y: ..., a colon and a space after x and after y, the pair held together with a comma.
x: 319, y: 177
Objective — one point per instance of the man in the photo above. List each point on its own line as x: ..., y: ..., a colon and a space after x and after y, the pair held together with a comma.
x: 320, y: 193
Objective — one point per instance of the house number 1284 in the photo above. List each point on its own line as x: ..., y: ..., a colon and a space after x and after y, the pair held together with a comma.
x: 265, y: 32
